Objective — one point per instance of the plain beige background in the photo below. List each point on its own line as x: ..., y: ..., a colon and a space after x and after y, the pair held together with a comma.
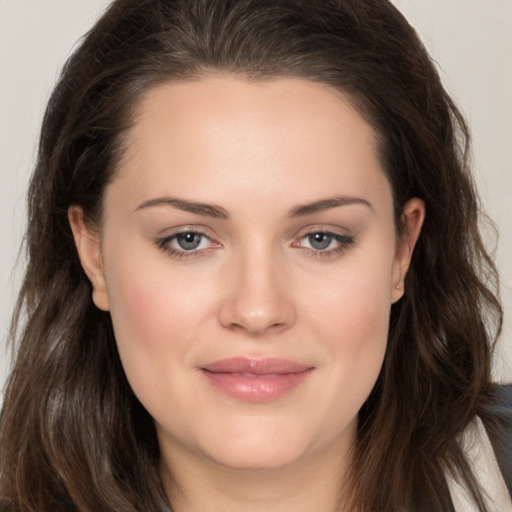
x: 471, y: 40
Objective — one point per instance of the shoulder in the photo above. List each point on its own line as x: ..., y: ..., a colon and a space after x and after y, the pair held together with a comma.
x: 487, y: 446
x: 497, y: 419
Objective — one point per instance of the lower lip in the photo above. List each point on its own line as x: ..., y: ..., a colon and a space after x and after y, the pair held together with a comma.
x: 256, y: 388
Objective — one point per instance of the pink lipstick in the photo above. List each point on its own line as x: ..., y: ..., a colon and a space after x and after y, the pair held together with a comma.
x: 255, y: 380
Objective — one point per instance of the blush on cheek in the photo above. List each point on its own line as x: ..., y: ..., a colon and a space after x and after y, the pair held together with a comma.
x: 141, y: 328
x: 356, y: 310
x: 137, y: 313
x: 357, y: 320
x: 143, y: 301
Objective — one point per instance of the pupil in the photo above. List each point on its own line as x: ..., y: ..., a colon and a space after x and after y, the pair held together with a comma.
x: 189, y: 241
x: 320, y: 241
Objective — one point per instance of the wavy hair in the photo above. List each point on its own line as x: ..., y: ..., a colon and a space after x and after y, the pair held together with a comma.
x: 72, y: 434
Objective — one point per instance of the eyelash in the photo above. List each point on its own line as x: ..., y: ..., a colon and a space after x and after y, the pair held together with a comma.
x: 164, y: 245
x: 344, y: 242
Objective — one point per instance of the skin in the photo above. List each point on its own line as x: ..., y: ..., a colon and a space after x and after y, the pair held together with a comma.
x: 255, y: 287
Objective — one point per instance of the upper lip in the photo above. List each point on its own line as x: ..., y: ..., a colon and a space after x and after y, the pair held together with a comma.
x: 255, y: 366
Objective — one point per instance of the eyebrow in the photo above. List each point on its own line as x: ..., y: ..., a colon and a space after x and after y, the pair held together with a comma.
x: 218, y: 212
x: 208, y: 210
x: 327, y: 204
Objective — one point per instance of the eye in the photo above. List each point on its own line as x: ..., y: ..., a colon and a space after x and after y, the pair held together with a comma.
x: 324, y: 242
x: 189, y: 241
x: 186, y: 244
x: 320, y: 241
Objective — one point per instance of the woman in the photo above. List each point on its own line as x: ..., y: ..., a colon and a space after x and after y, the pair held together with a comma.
x: 255, y: 276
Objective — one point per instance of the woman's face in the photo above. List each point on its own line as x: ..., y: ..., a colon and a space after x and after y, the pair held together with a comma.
x: 249, y: 259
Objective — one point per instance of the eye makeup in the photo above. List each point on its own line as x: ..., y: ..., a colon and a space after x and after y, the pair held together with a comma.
x: 187, y: 243
x: 324, y: 244
x: 194, y: 243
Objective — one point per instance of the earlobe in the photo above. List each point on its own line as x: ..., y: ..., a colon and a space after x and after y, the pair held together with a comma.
x: 88, y: 246
x: 412, y: 220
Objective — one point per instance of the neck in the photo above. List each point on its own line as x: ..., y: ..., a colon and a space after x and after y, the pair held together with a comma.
x: 313, y: 483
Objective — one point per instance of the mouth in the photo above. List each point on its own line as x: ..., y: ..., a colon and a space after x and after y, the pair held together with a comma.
x: 256, y: 380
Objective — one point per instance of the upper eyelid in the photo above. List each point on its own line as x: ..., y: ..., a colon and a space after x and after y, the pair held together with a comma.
x: 328, y: 229
x: 168, y: 234
x: 176, y: 230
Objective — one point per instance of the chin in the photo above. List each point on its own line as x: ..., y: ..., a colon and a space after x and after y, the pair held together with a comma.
x: 261, y: 458
x: 262, y: 446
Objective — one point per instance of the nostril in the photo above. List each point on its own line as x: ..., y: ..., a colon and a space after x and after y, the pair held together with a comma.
x: 256, y: 321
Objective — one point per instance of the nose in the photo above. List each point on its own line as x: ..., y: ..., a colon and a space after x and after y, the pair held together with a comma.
x: 258, y: 297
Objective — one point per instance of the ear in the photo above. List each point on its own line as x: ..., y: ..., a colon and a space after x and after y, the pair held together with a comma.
x: 88, y: 246
x: 412, y: 220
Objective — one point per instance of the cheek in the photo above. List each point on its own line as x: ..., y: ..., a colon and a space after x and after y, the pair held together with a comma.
x: 140, y: 321
x: 356, y: 328
x: 155, y: 315
x: 141, y: 308
x: 153, y: 302
x: 351, y: 317
x: 353, y: 305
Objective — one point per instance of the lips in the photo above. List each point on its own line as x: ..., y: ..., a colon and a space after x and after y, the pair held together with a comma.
x: 256, y: 380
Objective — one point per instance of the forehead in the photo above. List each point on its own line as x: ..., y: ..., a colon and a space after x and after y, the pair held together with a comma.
x: 225, y: 134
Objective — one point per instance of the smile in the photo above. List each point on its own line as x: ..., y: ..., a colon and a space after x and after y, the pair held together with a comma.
x: 252, y: 380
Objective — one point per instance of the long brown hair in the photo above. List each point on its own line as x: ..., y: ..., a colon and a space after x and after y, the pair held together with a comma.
x: 73, y: 435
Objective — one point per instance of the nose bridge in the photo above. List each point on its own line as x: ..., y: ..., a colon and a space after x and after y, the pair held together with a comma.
x: 258, y: 298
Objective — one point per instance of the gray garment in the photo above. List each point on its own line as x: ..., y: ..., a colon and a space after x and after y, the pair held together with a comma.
x: 497, y: 419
